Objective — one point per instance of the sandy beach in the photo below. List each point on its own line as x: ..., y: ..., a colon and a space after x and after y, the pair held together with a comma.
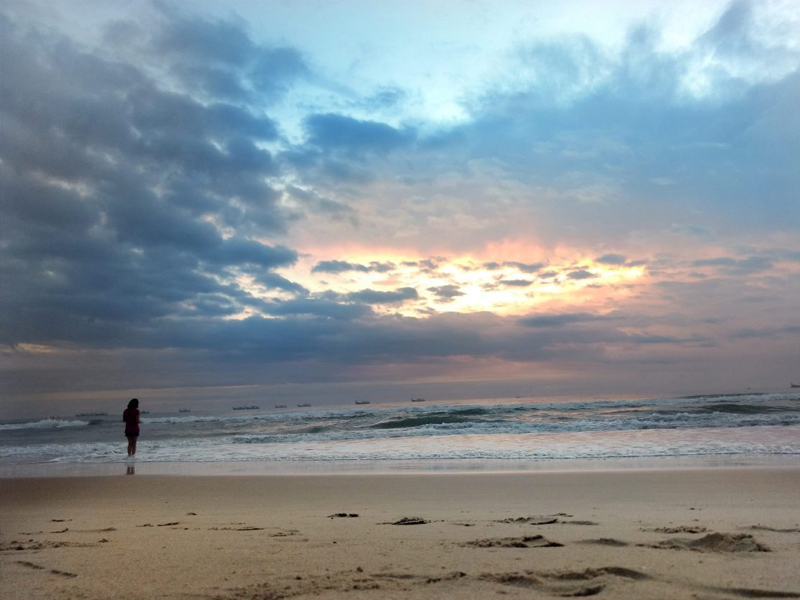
x: 671, y: 534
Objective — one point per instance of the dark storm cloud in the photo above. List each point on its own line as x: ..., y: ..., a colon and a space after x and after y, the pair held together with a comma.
x: 319, y: 308
x: 116, y: 185
x: 219, y: 58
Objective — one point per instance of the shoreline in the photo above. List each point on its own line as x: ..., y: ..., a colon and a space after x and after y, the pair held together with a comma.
x: 389, y: 467
x: 657, y: 534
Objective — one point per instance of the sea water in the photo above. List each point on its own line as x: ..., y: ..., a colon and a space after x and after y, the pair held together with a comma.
x: 512, y: 433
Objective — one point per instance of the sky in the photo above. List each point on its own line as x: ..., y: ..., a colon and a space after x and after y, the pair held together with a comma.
x: 338, y: 200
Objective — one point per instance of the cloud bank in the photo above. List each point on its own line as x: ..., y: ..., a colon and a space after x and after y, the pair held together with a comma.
x: 187, y: 202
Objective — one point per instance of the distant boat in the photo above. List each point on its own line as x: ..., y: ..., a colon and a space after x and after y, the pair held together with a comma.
x: 362, y: 401
x: 247, y: 407
x: 92, y: 414
x: 303, y: 405
x: 418, y: 399
x: 145, y: 412
x: 184, y: 410
x: 794, y: 385
x: 280, y: 406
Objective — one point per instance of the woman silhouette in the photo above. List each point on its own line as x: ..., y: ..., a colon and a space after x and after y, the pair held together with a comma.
x: 131, y: 417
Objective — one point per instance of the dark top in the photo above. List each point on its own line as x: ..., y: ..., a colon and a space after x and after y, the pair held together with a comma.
x: 131, y: 418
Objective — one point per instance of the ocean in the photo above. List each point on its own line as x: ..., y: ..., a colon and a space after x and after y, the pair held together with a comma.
x: 503, y: 433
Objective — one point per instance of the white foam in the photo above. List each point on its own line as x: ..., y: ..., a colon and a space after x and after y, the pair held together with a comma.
x: 43, y: 424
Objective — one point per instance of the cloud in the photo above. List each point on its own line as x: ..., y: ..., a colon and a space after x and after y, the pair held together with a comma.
x: 217, y: 57
x: 155, y: 183
x: 516, y: 282
x: 525, y: 267
x: 734, y: 266
x: 581, y: 274
x: 446, y: 292
x: 342, y: 266
x: 318, y: 204
x: 766, y: 332
x: 121, y: 191
x: 332, y: 131
x: 611, y: 259
x: 379, y: 297
x: 559, y: 320
x: 319, y: 308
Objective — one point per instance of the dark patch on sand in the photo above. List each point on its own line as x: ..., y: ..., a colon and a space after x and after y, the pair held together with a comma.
x: 30, y: 565
x: 284, y: 533
x: 775, y: 529
x: 528, y: 541
x: 679, y: 529
x: 343, y: 516
x: 534, y: 520
x: 448, y: 577
x: 754, y: 593
x: 43, y: 545
x: 715, y: 542
x: 408, y: 521
x: 346, y: 581
x: 63, y: 573
x: 606, y: 542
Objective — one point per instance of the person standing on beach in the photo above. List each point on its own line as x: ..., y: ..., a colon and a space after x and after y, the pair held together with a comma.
x: 131, y: 417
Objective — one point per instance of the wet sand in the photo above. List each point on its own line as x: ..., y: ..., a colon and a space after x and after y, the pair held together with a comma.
x: 671, y: 534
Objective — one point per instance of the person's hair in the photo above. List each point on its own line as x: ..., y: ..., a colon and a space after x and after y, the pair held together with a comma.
x: 133, y: 403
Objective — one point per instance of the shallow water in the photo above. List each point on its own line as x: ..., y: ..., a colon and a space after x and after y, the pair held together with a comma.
x: 739, y: 427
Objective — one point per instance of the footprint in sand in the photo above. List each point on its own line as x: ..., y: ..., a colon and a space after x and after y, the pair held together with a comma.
x: 63, y: 573
x: 611, y: 542
x: 36, y: 567
x: 530, y: 541
x: 589, y: 582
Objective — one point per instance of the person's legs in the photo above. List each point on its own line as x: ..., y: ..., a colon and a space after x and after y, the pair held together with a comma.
x: 131, y: 445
